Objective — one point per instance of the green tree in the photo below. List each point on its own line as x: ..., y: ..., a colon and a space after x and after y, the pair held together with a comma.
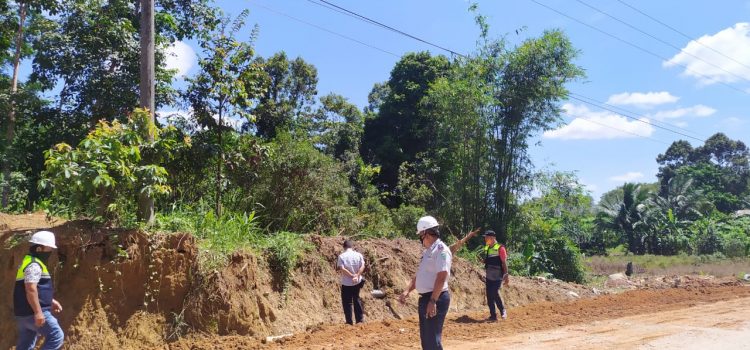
x: 338, y: 126
x: 289, y: 89
x: 527, y: 85
x: 562, y: 208
x: 400, y: 130
x: 104, y: 174
x: 27, y: 11
x: 91, y: 52
x: 665, y: 218
x: 621, y: 212
x: 457, y: 165
x: 225, y: 87
x: 720, y: 169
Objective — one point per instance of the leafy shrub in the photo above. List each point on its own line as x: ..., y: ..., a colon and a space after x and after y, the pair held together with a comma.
x: 405, y: 218
x: 735, y: 236
x: 373, y: 219
x: 297, y: 188
x: 735, y: 246
x: 284, y: 250
x: 565, y: 259
x: 517, y: 265
x: 111, y: 166
x: 557, y: 256
x: 19, y: 191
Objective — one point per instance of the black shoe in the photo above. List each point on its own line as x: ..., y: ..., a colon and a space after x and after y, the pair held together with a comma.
x: 491, y: 319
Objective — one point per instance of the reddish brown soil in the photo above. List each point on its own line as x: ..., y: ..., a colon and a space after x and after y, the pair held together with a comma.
x: 469, y: 327
x: 117, y: 287
x: 129, y: 290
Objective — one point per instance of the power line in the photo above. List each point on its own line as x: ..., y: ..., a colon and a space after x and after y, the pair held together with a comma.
x: 620, y: 130
x: 333, y: 9
x: 333, y: 6
x: 599, y: 103
x: 326, y: 30
x: 681, y: 33
x: 635, y: 45
x: 659, y: 39
x: 636, y: 119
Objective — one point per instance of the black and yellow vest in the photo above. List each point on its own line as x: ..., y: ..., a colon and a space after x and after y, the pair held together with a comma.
x: 44, y: 288
x: 491, y: 254
x: 492, y: 264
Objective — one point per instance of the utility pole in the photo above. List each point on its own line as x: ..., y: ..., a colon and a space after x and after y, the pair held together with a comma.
x: 147, y: 89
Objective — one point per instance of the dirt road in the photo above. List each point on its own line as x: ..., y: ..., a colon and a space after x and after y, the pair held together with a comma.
x: 722, y: 325
x: 660, y: 318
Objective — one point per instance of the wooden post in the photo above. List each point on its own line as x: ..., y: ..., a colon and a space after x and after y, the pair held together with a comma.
x: 147, y: 89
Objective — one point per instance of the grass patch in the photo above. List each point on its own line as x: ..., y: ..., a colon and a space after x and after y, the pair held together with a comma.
x: 715, y: 265
x: 219, y: 237
x: 283, y: 251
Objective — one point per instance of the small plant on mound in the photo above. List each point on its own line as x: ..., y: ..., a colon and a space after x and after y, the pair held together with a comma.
x: 284, y: 250
x: 224, y: 235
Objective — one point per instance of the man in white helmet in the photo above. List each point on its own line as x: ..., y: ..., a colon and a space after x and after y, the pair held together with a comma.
x: 33, y: 301
x: 431, y: 282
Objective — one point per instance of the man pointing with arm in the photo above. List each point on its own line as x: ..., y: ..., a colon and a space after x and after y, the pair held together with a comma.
x: 431, y: 282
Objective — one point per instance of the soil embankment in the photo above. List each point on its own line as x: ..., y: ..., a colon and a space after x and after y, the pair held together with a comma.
x: 125, y: 289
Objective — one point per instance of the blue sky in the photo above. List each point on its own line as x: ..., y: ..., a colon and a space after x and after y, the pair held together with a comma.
x: 701, y: 95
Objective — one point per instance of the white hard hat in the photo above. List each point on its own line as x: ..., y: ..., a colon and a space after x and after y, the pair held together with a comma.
x: 44, y: 238
x: 426, y: 222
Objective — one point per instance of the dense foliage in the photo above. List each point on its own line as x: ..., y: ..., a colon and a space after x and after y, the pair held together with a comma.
x: 269, y: 159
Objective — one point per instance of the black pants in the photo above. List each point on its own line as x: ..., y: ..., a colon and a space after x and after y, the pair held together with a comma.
x: 493, y: 296
x: 349, y: 296
x: 431, y: 329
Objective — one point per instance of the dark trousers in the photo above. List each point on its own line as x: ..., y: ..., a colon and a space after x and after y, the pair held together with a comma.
x: 493, y: 296
x: 431, y: 329
x: 349, y: 296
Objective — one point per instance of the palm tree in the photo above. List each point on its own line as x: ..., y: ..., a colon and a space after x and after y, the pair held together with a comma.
x: 665, y: 218
x: 622, y: 212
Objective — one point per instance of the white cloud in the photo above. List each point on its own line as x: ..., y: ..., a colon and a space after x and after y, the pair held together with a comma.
x: 180, y: 56
x: 694, y: 111
x: 733, y: 42
x: 642, y: 100
x: 627, y: 177
x: 185, y: 119
x: 170, y: 116
x: 591, y: 125
x: 681, y: 124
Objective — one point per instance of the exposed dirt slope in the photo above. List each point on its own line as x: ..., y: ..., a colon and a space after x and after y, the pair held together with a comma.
x: 467, y: 330
x: 245, y: 297
x: 124, y: 289
x: 128, y: 290
x: 103, y: 280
